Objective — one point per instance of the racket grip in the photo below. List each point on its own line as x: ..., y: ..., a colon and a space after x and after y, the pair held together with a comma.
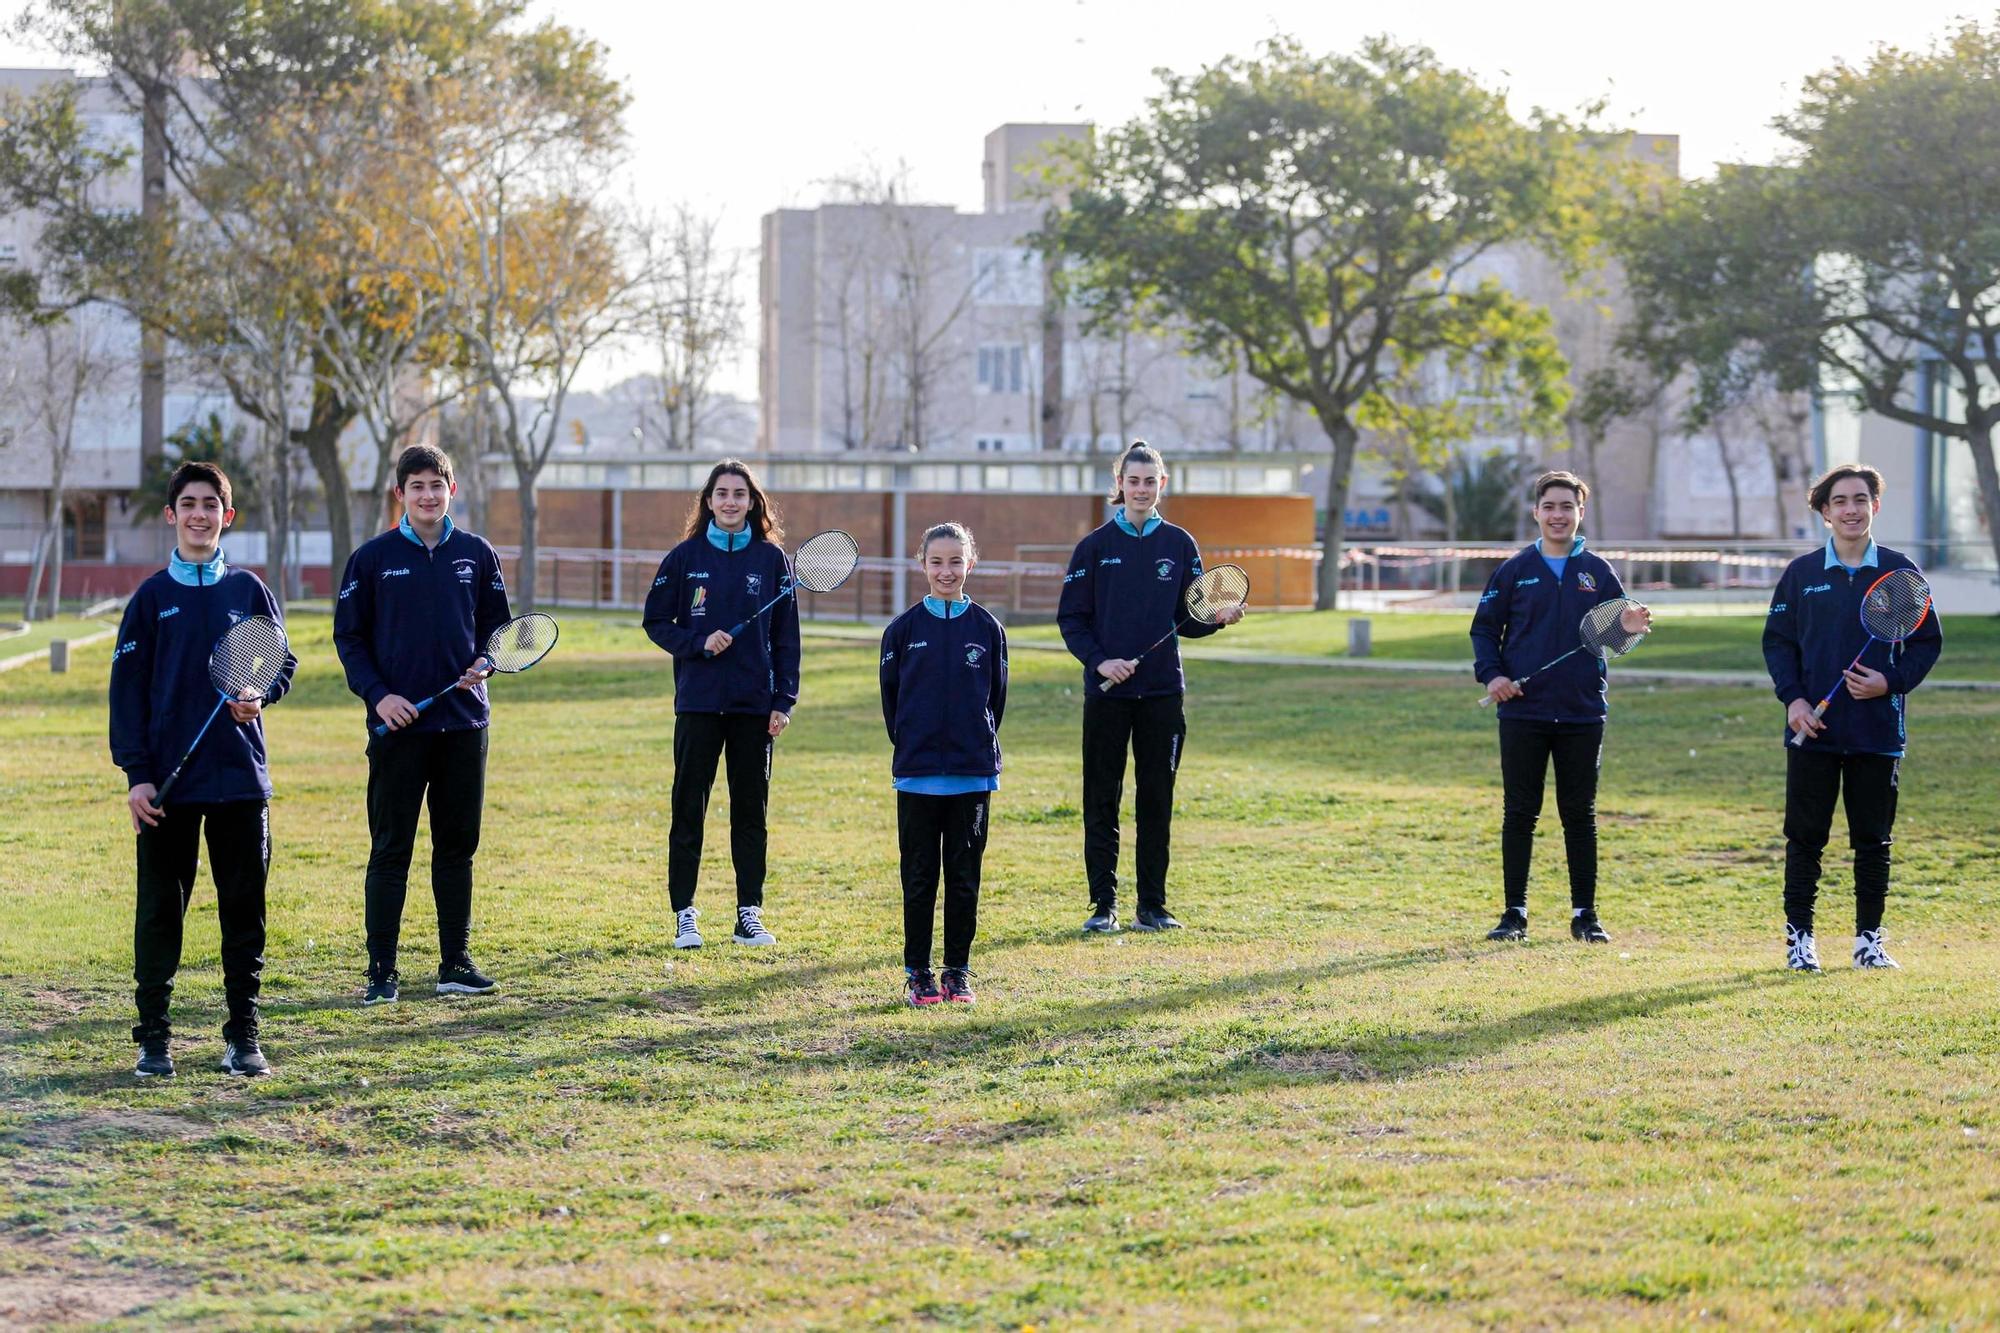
x: 1819, y: 710
x: 382, y: 728
x: 732, y: 634
x: 1485, y: 701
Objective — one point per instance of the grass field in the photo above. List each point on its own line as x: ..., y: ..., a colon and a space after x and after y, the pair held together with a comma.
x: 1329, y: 1101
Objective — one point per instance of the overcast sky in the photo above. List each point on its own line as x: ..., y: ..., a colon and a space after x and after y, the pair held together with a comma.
x: 742, y: 110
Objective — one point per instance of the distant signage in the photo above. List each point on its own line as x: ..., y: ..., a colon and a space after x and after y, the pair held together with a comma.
x: 1368, y: 520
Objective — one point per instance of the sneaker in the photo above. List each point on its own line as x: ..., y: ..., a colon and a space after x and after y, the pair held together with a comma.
x: 685, y: 934
x: 920, y: 988
x: 1156, y: 918
x: 154, y: 1059
x: 460, y: 977
x: 383, y: 986
x: 750, y: 927
x: 1800, y: 953
x: 1583, y: 926
x: 1103, y: 920
x: 1868, y: 950
x: 243, y: 1058
x: 956, y: 985
x: 1513, y: 926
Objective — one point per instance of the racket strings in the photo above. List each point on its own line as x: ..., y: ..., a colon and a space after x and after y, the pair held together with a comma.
x: 824, y: 562
x: 522, y: 642
x: 1895, y: 605
x: 249, y: 658
x: 1604, y: 632
x: 1215, y: 591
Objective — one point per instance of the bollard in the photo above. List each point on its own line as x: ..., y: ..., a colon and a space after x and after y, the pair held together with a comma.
x: 1360, y: 642
x: 59, y: 655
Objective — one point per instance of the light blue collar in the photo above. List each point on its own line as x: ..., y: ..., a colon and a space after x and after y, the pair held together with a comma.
x: 944, y: 610
x: 1118, y: 517
x: 1867, y: 557
x: 195, y: 575
x: 728, y: 541
x: 403, y: 526
x: 1575, y: 548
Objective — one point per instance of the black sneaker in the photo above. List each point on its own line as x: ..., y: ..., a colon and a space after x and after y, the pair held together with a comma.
x: 460, y: 977
x: 1513, y: 926
x: 383, y: 986
x: 154, y: 1059
x: 955, y: 983
x: 1583, y: 926
x: 1156, y: 918
x: 244, y: 1058
x: 920, y: 988
x: 1103, y: 920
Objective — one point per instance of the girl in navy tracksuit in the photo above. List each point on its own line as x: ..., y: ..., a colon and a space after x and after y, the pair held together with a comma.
x: 1126, y: 586
x: 944, y: 691
x: 1528, y: 616
x: 160, y: 696
x: 732, y: 695
x: 1855, y: 750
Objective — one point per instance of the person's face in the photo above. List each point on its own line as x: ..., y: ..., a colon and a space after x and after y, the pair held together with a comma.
x: 1851, y: 508
x: 729, y: 501
x: 1142, y: 484
x: 198, y: 518
x: 426, y: 496
x: 1559, y: 514
x: 945, y: 565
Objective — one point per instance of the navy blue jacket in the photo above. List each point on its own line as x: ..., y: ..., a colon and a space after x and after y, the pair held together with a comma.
x: 161, y: 692
x: 1121, y: 593
x: 409, y: 620
x: 700, y: 589
x: 1814, y: 630
x: 1527, y: 617
x: 944, y: 691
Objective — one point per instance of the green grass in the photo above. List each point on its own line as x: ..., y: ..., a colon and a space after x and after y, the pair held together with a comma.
x: 1681, y: 639
x: 39, y: 633
x: 1328, y: 1101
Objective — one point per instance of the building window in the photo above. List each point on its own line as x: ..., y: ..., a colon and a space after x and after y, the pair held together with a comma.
x: 1002, y: 368
x: 1006, y: 275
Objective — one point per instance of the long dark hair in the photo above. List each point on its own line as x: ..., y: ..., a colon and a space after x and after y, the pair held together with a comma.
x: 1142, y: 452
x: 763, y: 523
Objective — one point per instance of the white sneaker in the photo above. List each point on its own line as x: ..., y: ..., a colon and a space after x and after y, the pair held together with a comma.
x: 750, y: 927
x: 1868, y: 950
x: 1801, y: 955
x: 685, y: 934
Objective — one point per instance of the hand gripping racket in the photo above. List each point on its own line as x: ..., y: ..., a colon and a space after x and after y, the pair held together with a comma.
x: 822, y: 563
x: 1602, y: 633
x: 513, y: 647
x: 1891, y: 610
x: 244, y: 664
x: 1211, y: 593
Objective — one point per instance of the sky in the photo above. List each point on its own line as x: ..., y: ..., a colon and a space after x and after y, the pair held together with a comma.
x: 742, y: 109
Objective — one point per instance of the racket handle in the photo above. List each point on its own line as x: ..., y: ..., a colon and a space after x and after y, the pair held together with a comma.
x: 382, y: 728
x: 738, y: 629
x: 1485, y: 701
x: 1819, y: 711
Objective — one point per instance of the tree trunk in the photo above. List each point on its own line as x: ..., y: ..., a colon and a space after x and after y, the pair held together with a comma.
x: 35, y: 572
x: 1729, y: 475
x: 321, y: 438
x: 56, y: 557
x: 1344, y: 437
x: 1980, y: 438
x: 278, y: 512
x: 1053, y: 387
x: 524, y: 576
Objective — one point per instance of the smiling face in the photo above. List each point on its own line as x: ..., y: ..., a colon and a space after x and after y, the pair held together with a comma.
x: 198, y: 518
x: 946, y: 565
x: 1142, y: 485
x: 426, y: 496
x: 729, y: 501
x: 1558, y: 513
x: 1850, y: 510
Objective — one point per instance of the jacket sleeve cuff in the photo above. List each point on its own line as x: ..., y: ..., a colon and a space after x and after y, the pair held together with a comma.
x: 784, y: 704
x: 375, y: 694
x: 136, y: 776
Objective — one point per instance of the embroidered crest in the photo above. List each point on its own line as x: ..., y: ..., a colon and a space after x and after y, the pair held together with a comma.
x: 1164, y: 568
x: 972, y: 655
x: 754, y: 584
x: 699, y: 606
x: 1585, y: 582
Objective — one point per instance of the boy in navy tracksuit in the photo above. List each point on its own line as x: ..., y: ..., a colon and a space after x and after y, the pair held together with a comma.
x: 733, y: 696
x: 1126, y: 586
x: 161, y: 694
x: 944, y: 691
x: 415, y: 608
x: 1530, y: 615
x: 1812, y: 632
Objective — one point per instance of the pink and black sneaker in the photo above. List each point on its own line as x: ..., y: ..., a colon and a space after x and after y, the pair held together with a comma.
x: 956, y: 983
x: 921, y: 987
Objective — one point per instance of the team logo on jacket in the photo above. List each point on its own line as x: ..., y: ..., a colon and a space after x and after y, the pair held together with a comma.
x: 972, y: 655
x: 170, y: 611
x: 699, y: 606
x: 235, y: 616
x: 1164, y: 568
x: 1820, y: 587
x: 394, y: 573
x: 352, y: 584
x: 753, y: 584
x: 466, y: 569
x: 1585, y: 582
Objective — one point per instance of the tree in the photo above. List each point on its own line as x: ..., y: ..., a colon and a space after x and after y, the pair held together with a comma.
x: 1864, y: 262
x: 692, y: 316
x: 1311, y: 217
